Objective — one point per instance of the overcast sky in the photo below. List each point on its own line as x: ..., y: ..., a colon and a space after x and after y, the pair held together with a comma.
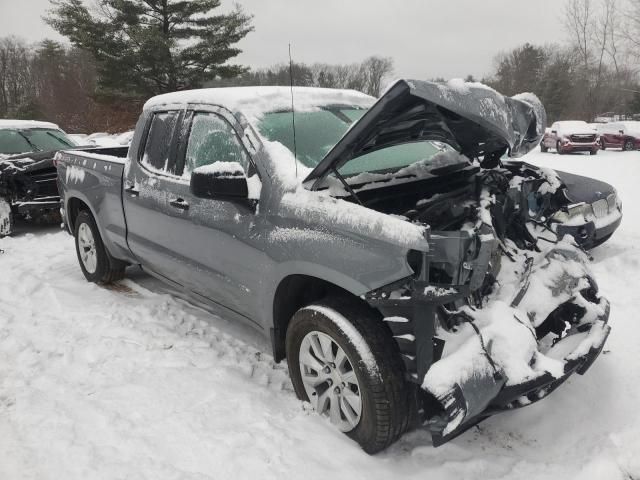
x: 426, y: 38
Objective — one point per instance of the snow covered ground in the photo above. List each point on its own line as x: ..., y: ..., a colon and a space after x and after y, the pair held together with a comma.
x: 133, y: 382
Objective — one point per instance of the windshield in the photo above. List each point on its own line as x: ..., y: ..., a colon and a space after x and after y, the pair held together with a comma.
x: 32, y: 140
x: 318, y: 131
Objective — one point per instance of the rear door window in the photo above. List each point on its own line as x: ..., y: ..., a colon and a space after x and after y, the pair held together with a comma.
x: 157, y: 155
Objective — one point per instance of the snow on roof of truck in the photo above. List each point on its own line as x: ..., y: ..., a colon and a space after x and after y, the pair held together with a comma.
x: 12, y: 124
x: 256, y: 101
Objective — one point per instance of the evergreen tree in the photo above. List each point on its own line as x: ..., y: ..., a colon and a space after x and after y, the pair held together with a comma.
x: 147, y: 47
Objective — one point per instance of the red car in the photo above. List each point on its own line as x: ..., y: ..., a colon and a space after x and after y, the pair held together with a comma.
x: 571, y: 136
x: 624, y: 135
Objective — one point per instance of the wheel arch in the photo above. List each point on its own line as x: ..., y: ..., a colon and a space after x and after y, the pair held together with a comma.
x: 294, y: 292
x: 74, y: 206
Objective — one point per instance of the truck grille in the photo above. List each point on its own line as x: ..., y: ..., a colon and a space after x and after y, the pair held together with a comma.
x: 583, y: 138
x: 43, y: 183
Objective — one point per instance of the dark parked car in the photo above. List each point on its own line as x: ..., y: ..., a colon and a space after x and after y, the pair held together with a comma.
x: 595, y: 211
x: 569, y: 137
x: 624, y: 135
x: 407, y: 274
x: 27, y: 174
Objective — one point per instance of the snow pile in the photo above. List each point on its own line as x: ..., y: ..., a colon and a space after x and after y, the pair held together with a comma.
x: 103, y: 139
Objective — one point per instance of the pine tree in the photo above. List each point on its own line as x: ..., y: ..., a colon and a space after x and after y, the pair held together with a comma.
x: 147, y: 47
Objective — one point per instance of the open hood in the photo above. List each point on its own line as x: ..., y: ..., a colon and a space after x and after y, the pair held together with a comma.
x: 474, y: 119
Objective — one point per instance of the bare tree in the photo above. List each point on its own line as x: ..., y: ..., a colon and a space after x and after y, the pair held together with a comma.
x: 375, y: 70
x: 631, y: 29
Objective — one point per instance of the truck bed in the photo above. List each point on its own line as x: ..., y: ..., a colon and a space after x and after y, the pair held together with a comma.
x: 94, y: 176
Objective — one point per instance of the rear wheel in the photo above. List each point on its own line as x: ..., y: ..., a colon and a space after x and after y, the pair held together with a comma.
x: 96, y: 263
x: 343, y: 360
x: 628, y: 145
x: 6, y: 218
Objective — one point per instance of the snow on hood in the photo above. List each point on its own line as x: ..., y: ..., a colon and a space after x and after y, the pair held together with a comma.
x: 319, y: 207
x: 254, y: 102
x: 575, y: 128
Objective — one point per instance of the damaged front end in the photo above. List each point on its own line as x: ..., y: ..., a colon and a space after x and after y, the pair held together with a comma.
x: 498, y: 313
x: 501, y: 309
x: 28, y: 185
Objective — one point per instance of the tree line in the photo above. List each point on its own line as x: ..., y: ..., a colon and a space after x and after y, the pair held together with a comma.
x: 124, y: 51
x: 595, y: 72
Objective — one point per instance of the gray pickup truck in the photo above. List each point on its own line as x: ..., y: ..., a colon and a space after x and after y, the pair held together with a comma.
x: 408, y: 273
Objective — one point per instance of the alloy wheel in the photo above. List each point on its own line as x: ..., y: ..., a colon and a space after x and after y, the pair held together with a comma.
x: 87, y: 248
x: 330, y: 380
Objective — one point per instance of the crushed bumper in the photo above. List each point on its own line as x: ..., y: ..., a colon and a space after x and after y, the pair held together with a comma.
x: 590, y: 235
x: 514, y: 358
x: 491, y: 395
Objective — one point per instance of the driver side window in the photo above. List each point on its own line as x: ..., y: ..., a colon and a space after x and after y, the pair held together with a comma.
x: 211, y: 140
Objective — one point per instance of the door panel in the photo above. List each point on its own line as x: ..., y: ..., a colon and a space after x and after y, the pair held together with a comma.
x: 153, y: 225
x: 225, y: 266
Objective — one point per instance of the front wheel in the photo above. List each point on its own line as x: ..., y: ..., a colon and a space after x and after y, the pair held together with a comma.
x: 6, y: 218
x: 96, y: 263
x: 593, y: 152
x: 559, y: 148
x: 343, y: 360
x: 543, y: 148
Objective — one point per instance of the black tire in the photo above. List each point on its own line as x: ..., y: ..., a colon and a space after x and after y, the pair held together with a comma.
x: 593, y: 152
x: 108, y: 269
x: 388, y: 405
x: 543, y: 149
x: 559, y: 148
x: 6, y: 218
x: 602, y: 145
x: 628, y: 145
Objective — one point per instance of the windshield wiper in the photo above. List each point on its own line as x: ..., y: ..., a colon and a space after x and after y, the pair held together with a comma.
x: 58, y: 139
x: 35, y: 149
x: 346, y: 185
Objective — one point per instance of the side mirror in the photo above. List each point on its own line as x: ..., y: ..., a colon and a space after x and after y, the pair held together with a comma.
x: 621, y: 132
x: 554, y: 131
x: 220, y: 180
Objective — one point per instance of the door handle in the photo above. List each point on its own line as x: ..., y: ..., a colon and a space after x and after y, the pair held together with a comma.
x: 179, y: 203
x: 131, y: 190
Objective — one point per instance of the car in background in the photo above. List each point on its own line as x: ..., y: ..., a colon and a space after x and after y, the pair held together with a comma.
x: 570, y: 136
x: 27, y: 175
x: 624, y: 135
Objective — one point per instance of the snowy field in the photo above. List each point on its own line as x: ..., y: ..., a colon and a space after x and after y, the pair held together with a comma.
x: 132, y: 382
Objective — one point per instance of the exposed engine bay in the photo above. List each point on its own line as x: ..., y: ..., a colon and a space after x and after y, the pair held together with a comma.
x: 28, y: 189
x: 501, y: 309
